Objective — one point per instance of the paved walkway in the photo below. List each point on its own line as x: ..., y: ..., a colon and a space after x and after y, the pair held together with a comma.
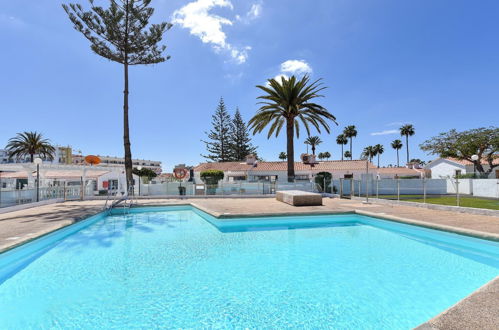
x: 478, y: 311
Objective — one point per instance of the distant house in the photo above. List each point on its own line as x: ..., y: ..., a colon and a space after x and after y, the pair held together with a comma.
x: 255, y: 171
x: 447, y: 167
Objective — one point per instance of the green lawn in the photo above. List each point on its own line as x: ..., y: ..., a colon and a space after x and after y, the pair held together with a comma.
x: 476, y: 202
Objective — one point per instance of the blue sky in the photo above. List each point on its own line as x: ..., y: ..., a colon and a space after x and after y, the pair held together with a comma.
x: 434, y: 64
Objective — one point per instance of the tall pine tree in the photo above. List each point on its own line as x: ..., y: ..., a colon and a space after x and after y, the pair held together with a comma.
x: 219, y: 144
x: 121, y: 33
x: 240, y: 140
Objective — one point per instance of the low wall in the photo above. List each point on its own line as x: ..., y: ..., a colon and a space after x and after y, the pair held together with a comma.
x: 486, y: 188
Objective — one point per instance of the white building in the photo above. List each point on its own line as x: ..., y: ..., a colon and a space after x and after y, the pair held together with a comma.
x: 154, y: 165
x: 442, y: 168
x: 62, y: 155
x: 97, y: 178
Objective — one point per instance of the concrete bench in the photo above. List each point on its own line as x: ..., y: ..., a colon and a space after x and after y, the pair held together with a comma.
x: 299, y: 198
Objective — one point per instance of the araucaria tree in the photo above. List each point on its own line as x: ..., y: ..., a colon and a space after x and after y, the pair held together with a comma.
x: 30, y: 144
x: 407, y: 130
x: 219, y: 144
x: 341, y: 140
x: 287, y: 103
x: 483, y: 142
x: 121, y: 33
x: 397, y: 145
x: 240, y: 141
x: 350, y: 132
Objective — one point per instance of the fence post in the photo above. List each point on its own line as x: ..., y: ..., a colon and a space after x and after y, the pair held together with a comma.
x: 398, y: 189
x: 360, y: 181
x: 377, y: 187
x: 424, y: 190
x: 64, y: 190
x: 341, y: 187
x: 81, y: 188
x: 457, y: 190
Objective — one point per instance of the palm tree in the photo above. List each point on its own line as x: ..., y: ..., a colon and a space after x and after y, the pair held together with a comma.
x: 407, y: 130
x: 30, y: 143
x: 379, y: 149
x: 287, y: 103
x: 327, y: 155
x: 347, y: 154
x: 397, y: 145
x: 350, y: 132
x: 368, y: 152
x: 313, y: 141
x: 282, y: 155
x: 321, y: 156
x: 341, y: 140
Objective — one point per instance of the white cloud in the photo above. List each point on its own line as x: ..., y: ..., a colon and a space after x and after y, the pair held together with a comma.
x: 254, y: 12
x: 396, y: 123
x: 208, y: 27
x: 386, y: 132
x: 296, y: 67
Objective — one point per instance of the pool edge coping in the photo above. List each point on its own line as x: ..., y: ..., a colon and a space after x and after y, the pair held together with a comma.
x: 427, y: 325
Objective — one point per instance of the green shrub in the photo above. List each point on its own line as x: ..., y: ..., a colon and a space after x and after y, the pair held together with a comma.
x: 212, y: 176
x: 324, y: 177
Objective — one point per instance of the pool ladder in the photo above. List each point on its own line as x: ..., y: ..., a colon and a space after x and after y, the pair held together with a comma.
x: 127, y: 200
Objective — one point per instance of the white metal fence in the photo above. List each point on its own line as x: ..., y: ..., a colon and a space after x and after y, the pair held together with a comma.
x: 12, y: 197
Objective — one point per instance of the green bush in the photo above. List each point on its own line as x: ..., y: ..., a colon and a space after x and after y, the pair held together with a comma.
x: 321, y: 177
x: 212, y: 176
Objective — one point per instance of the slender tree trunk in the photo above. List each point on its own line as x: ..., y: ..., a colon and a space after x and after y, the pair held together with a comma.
x: 351, y: 154
x: 32, y: 157
x: 342, y: 151
x: 407, y: 146
x: 378, y: 160
x: 290, y: 149
x: 313, y: 150
x: 126, y: 132
x: 398, y: 158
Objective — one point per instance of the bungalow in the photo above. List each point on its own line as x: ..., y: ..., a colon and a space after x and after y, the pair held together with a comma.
x: 255, y: 171
x: 442, y: 168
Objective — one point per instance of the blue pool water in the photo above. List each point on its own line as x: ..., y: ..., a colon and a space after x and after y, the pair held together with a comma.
x: 179, y: 268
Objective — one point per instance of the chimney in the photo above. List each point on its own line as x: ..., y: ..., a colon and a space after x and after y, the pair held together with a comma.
x: 251, y: 159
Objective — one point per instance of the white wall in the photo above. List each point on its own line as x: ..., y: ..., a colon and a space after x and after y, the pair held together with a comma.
x: 445, y: 170
x: 486, y: 188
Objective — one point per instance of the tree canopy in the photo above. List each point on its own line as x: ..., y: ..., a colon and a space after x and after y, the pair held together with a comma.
x: 240, y: 141
x: 219, y: 144
x: 30, y: 144
x: 483, y: 142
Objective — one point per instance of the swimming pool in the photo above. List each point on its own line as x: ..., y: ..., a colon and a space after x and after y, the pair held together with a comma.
x: 177, y: 267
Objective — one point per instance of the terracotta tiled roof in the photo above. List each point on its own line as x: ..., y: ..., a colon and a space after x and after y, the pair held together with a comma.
x: 398, y: 171
x: 225, y: 166
x: 467, y: 162
x: 332, y: 165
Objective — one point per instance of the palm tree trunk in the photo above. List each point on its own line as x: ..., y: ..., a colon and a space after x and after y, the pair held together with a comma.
x: 313, y: 150
x: 341, y: 151
x: 398, y: 158
x: 351, y: 154
x: 407, y: 147
x: 290, y: 149
x: 32, y: 157
x: 378, y: 160
x: 126, y: 131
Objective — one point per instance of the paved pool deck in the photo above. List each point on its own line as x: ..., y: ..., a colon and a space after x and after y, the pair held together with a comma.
x: 480, y: 310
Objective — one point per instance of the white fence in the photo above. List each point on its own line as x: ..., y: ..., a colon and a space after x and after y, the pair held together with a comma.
x: 12, y: 197
x: 488, y: 188
x: 220, y: 189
